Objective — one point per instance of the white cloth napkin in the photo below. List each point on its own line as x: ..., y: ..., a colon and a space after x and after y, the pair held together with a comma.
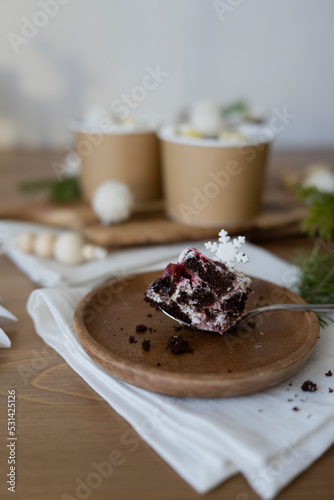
x: 5, y: 318
x: 208, y: 440
x: 48, y: 272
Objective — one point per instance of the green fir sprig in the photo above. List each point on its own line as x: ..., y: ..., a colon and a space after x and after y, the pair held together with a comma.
x: 239, y: 106
x: 320, y: 216
x: 315, y: 281
x: 65, y: 190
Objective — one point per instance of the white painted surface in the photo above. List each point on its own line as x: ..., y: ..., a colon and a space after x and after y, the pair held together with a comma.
x: 276, y: 54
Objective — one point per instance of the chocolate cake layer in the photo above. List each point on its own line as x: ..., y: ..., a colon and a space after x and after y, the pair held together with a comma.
x: 201, y: 292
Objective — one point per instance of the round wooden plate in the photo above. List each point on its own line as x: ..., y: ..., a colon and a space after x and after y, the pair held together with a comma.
x: 245, y: 360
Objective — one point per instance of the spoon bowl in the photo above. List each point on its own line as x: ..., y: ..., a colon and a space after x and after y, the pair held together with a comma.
x: 263, y: 309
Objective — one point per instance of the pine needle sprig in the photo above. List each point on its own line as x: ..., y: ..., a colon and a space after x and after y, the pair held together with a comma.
x: 65, y: 190
x: 239, y: 106
x: 320, y: 216
x: 315, y: 281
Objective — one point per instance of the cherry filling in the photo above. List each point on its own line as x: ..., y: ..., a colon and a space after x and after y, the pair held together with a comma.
x: 177, y: 272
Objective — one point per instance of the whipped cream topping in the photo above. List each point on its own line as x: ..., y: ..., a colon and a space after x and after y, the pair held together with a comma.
x: 108, y: 124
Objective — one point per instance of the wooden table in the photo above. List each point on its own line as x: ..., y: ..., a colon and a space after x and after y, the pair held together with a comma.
x: 63, y: 426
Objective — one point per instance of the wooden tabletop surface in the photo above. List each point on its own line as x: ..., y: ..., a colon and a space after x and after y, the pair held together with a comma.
x: 64, y: 427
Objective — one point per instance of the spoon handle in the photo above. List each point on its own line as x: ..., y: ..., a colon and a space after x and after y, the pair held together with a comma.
x: 292, y: 307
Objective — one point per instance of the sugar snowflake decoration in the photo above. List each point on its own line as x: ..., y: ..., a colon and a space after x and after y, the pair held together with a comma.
x: 226, y: 251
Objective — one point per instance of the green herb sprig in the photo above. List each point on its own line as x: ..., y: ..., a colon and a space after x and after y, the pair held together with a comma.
x: 315, y: 281
x: 320, y: 217
x: 239, y: 106
x: 316, y: 276
x: 66, y: 190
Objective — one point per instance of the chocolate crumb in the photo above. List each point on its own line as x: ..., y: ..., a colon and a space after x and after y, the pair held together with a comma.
x: 252, y: 324
x: 330, y: 389
x: 141, y: 328
x: 177, y: 328
x: 295, y: 408
x: 290, y: 384
x: 122, y: 329
x: 149, y: 315
x: 132, y: 340
x: 191, y: 328
x: 178, y: 345
x: 309, y: 386
x: 158, y: 364
x: 329, y: 373
x: 229, y: 371
x: 290, y: 400
x: 146, y: 345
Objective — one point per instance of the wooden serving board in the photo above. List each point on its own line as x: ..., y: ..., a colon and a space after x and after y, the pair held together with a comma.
x: 239, y: 362
x: 148, y: 225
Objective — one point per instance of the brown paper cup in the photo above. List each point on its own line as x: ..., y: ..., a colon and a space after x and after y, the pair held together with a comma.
x: 132, y: 158
x: 212, y: 186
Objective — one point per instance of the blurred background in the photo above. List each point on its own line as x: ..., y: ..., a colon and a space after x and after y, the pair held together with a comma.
x: 60, y: 58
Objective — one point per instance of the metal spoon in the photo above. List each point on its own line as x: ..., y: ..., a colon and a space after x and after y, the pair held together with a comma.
x: 273, y: 307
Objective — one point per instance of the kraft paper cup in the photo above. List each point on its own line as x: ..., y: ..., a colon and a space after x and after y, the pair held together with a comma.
x: 131, y: 157
x: 211, y: 183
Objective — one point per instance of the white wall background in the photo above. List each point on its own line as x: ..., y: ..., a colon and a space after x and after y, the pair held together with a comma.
x: 274, y: 53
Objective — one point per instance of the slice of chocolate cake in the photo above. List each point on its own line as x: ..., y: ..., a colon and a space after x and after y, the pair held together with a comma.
x: 201, y: 292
